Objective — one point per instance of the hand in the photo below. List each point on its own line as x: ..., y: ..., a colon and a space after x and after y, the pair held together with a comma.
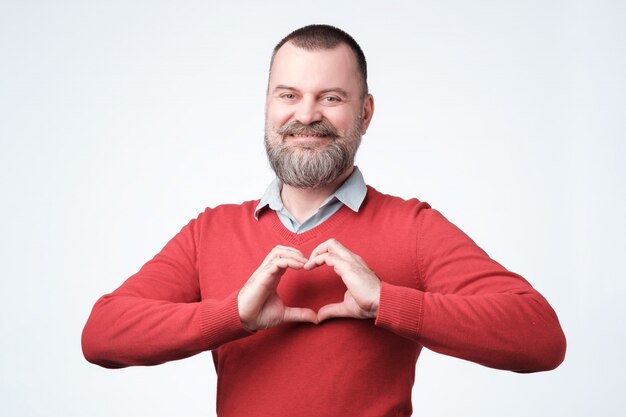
x: 259, y: 305
x: 363, y: 294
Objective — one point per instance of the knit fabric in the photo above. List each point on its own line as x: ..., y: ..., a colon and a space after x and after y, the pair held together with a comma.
x: 440, y: 290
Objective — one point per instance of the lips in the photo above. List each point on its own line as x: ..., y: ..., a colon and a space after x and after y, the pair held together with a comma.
x: 306, y: 141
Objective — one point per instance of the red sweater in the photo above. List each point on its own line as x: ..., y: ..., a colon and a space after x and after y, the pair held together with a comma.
x: 439, y: 290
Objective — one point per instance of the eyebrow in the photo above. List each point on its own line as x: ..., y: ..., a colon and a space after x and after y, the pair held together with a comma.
x: 337, y: 90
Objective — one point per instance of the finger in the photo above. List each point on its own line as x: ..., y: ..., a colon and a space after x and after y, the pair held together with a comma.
x: 298, y: 314
x: 316, y: 261
x: 289, y: 253
x: 287, y: 249
x: 331, y: 246
x: 284, y: 263
x: 284, y: 252
x: 335, y: 310
x: 276, y: 268
x: 330, y: 259
x: 268, y: 276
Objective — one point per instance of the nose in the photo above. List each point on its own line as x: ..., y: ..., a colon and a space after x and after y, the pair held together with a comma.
x: 308, y: 111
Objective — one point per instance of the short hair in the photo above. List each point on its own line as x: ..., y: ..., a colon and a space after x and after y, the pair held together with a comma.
x: 314, y: 37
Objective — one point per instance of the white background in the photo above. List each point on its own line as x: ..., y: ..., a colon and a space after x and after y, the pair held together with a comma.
x: 120, y: 121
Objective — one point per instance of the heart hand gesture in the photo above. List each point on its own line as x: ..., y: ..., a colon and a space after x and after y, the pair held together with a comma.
x: 260, y: 307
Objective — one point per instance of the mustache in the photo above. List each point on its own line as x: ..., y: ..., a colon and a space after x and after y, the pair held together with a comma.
x: 319, y: 128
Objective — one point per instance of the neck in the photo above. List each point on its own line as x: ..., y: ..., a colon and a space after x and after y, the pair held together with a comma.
x: 303, y: 202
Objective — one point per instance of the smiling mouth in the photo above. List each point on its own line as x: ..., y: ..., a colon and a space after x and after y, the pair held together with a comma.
x: 304, y: 141
x: 316, y: 131
x: 300, y: 137
x: 305, y: 135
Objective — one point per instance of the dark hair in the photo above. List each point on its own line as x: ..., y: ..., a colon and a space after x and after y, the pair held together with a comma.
x: 314, y: 37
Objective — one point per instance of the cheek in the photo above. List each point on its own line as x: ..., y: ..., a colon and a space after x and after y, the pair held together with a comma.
x: 277, y: 116
x: 343, y: 121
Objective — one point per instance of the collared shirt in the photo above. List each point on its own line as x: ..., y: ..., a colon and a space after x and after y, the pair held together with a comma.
x: 351, y: 193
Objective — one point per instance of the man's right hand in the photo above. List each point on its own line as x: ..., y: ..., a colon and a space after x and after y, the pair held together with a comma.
x: 260, y: 307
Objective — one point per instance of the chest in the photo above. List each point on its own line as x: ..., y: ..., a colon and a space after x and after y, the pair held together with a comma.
x: 226, y: 261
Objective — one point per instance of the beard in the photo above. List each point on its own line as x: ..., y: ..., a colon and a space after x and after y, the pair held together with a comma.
x: 314, y: 164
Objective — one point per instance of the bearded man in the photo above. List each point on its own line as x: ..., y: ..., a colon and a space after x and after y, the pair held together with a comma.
x: 316, y: 299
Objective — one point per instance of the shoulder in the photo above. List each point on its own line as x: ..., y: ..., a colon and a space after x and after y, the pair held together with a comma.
x: 231, y: 209
x: 224, y: 216
x: 379, y: 206
x: 379, y: 202
x: 229, y: 212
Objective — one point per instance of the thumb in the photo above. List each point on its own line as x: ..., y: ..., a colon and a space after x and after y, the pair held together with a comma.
x: 297, y: 314
x: 334, y: 310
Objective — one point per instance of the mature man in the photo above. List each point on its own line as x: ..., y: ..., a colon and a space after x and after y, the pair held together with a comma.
x: 317, y: 299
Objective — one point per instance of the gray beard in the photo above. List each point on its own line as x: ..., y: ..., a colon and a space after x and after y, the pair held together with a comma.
x: 313, y: 166
x: 310, y: 168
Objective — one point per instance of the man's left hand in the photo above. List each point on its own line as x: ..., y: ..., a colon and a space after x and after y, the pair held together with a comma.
x: 363, y: 286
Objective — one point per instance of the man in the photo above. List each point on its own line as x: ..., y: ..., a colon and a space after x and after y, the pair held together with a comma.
x: 317, y: 299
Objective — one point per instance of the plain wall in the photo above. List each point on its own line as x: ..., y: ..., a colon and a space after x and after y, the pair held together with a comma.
x: 120, y: 121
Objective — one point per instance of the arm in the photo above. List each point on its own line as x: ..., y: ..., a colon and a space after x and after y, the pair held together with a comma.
x: 467, y: 305
x: 157, y: 315
x: 471, y: 307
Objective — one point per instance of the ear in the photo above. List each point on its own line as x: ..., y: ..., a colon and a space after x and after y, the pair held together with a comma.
x: 367, y: 112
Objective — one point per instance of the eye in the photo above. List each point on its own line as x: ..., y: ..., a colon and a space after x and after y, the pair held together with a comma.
x: 288, y: 96
x: 331, y: 99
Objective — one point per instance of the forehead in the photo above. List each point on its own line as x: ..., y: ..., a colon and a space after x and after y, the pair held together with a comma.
x: 315, y: 69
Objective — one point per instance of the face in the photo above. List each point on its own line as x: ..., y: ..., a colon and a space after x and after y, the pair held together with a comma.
x: 315, y: 114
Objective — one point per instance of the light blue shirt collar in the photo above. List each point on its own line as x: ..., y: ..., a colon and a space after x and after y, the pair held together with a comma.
x: 351, y: 193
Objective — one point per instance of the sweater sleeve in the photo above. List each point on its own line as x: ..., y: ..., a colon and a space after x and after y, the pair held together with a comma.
x: 158, y: 315
x: 471, y: 307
